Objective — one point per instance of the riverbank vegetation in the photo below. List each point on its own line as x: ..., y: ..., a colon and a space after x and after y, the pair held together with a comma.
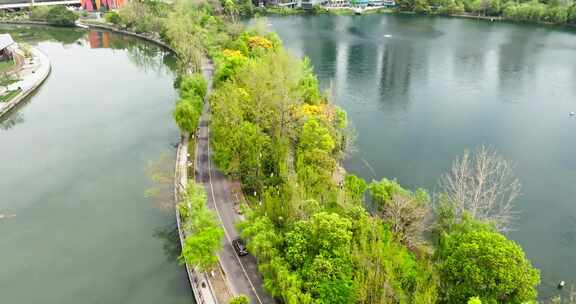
x: 307, y: 223
x: 204, y: 233
x: 559, y: 12
x: 56, y: 15
x: 556, y: 12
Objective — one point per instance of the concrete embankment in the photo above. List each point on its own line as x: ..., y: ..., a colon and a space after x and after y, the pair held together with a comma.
x: 207, y: 288
x: 201, y: 286
x: 101, y: 26
x: 32, y: 73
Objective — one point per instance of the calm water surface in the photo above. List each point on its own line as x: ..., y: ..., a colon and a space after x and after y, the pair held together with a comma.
x: 421, y: 90
x: 72, y: 164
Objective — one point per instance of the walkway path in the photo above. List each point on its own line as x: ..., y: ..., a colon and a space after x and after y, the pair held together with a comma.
x: 31, y: 75
x: 241, y: 272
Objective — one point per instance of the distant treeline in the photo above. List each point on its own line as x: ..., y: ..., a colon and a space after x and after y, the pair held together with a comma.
x: 551, y: 11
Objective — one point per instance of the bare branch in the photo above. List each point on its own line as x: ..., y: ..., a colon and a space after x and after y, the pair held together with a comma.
x: 483, y: 185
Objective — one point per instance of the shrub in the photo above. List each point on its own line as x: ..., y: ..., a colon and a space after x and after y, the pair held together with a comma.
x: 241, y: 299
x: 113, y: 17
x: 60, y: 15
x: 39, y: 13
x: 259, y: 42
x: 318, y: 9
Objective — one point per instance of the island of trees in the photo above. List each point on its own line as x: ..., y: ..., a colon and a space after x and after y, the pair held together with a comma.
x: 308, y: 223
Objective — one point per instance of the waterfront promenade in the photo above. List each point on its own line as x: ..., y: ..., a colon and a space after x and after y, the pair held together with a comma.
x: 31, y: 75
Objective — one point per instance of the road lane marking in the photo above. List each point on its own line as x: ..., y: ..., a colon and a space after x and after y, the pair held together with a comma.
x: 220, y: 217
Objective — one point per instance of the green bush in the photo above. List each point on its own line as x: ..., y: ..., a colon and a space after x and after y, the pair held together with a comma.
x: 60, y: 15
x: 318, y: 9
x: 113, y: 17
x: 241, y: 299
x: 39, y: 13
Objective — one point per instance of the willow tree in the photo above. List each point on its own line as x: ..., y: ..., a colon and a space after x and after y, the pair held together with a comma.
x: 204, y: 233
x: 185, y: 40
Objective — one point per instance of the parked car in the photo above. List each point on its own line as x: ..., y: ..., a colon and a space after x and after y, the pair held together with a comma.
x: 239, y: 247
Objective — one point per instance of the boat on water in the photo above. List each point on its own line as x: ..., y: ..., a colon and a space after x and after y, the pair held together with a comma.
x: 358, y: 10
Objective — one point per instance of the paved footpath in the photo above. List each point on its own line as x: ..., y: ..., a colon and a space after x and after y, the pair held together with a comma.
x: 241, y: 272
x: 31, y: 75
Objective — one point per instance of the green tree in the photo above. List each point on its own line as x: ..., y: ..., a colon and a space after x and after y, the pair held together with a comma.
x: 253, y: 148
x: 187, y: 114
x: 572, y: 14
x: 60, y: 15
x: 355, y: 188
x: 422, y: 7
x: 231, y: 9
x: 385, y: 270
x: 483, y: 263
x: 309, y: 84
x: 406, y: 5
x: 557, y: 14
x: 185, y: 38
x: 193, y: 85
x: 320, y: 248
x: 494, y: 8
x: 204, y: 234
x: 315, y: 163
x: 450, y: 7
x: 245, y: 7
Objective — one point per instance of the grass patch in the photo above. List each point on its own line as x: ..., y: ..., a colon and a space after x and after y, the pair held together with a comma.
x: 6, y: 65
x: 9, y: 95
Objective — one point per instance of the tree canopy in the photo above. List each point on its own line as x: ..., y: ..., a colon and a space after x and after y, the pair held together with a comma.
x: 480, y: 262
x: 203, y: 230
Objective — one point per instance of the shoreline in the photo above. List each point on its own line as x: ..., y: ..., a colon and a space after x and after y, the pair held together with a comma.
x: 111, y: 28
x: 349, y: 11
x: 29, y: 84
x: 202, y: 289
x: 201, y: 283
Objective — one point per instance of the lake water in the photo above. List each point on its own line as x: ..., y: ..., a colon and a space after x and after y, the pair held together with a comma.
x: 419, y: 91
x: 72, y: 171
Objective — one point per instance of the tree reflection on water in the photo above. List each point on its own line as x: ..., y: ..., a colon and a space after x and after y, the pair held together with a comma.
x: 11, y: 121
x: 145, y: 55
x: 33, y: 34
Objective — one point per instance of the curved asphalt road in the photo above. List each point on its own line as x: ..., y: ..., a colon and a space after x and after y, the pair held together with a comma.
x: 241, y: 272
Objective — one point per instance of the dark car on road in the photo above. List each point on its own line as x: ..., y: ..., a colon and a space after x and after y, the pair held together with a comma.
x: 240, y: 247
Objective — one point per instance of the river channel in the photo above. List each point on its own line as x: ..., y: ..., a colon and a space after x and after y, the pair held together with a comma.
x: 420, y: 90
x: 77, y: 226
